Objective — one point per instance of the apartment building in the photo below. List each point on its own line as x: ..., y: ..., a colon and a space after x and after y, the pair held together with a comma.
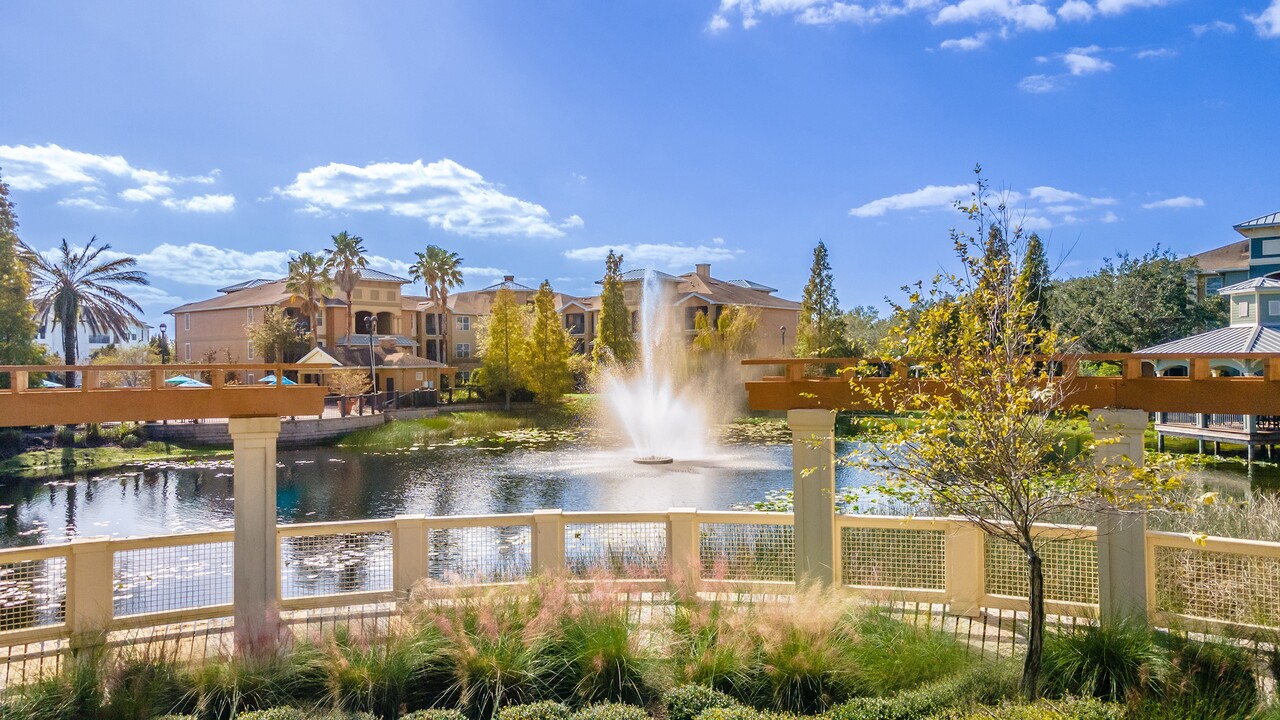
x: 89, y: 339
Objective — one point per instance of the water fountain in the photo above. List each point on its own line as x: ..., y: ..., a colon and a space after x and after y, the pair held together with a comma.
x: 663, y: 422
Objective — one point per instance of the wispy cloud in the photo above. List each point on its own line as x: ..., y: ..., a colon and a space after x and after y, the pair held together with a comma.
x: 1155, y: 53
x: 1217, y: 26
x: 89, y: 181
x: 1085, y: 61
x: 445, y: 194
x: 1267, y: 22
x: 1041, y: 207
x: 1116, y: 7
x: 1076, y: 61
x: 1076, y: 11
x: 964, y: 44
x: 1041, y: 83
x: 658, y: 255
x: 928, y: 197
x: 1182, y: 201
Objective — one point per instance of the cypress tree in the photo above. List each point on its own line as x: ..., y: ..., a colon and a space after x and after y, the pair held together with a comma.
x: 614, y: 336
x: 822, y: 328
x: 502, y: 343
x: 17, y: 315
x: 1035, y: 280
x: 549, y: 347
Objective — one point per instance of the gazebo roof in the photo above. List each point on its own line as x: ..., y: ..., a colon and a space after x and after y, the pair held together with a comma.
x: 1258, y: 283
x: 1234, y: 339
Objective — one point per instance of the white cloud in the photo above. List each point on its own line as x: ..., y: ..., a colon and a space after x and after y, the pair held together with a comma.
x: 443, y: 193
x: 1041, y: 83
x: 1155, y: 53
x: 1267, y: 22
x: 1046, y: 194
x: 202, y: 204
x: 1217, y: 26
x: 1035, y: 223
x: 662, y: 255
x: 1115, y: 7
x: 1182, y: 201
x: 86, y: 177
x: 931, y: 197
x: 964, y: 44
x: 717, y: 23
x: 1075, y: 11
x: 200, y: 264
x: 1110, y: 217
x: 1022, y: 15
x: 1085, y: 61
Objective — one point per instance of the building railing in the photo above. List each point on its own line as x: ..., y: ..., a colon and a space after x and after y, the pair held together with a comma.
x: 54, y: 592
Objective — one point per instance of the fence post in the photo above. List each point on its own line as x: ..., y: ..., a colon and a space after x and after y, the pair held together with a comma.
x: 256, y: 553
x: 548, y: 542
x: 813, y: 474
x: 966, y: 561
x: 683, y: 540
x: 1122, y: 537
x: 408, y: 552
x: 90, y: 581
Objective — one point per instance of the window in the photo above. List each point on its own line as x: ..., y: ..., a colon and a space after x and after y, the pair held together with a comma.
x: 99, y: 338
x: 319, y: 343
x: 464, y: 377
x: 462, y: 350
x: 575, y: 323
x: 248, y: 314
x: 186, y: 321
x: 186, y: 350
x: 320, y: 319
x: 1271, y: 246
x: 413, y: 324
x: 1273, y: 307
x: 357, y: 294
x: 1242, y: 309
x: 250, y: 345
x: 464, y: 322
x: 417, y: 376
x: 373, y: 294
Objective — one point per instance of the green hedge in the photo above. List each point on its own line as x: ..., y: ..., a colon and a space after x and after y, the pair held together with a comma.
x: 687, y: 702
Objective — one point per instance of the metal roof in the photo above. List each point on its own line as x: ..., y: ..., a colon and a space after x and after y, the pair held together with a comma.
x: 752, y: 285
x: 246, y: 285
x: 1258, y: 283
x: 379, y: 276
x: 507, y: 285
x: 1234, y: 339
x: 638, y: 274
x: 1263, y: 221
x: 362, y: 339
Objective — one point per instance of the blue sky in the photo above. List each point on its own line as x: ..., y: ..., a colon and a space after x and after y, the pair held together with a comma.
x: 212, y: 140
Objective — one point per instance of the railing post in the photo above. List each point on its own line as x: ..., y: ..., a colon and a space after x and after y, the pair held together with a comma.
x: 966, y: 561
x: 256, y: 591
x: 90, y: 581
x: 813, y: 474
x: 548, y: 542
x: 683, y: 547
x: 1122, y: 536
x: 408, y: 552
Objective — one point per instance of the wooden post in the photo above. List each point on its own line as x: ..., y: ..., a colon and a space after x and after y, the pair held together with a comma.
x: 256, y: 591
x: 683, y: 547
x: 1122, y: 536
x: 966, y: 561
x: 548, y: 542
x: 813, y: 474
x: 409, y: 562
x: 90, y: 581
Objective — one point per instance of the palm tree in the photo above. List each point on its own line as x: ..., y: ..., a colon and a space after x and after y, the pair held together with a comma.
x: 309, y: 283
x: 76, y: 287
x: 343, y: 261
x: 440, y: 271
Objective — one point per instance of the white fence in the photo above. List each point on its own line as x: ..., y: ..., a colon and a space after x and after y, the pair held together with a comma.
x: 53, y: 592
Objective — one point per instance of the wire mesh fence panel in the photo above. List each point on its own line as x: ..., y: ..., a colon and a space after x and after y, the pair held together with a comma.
x: 33, y: 593
x: 884, y: 557
x: 312, y: 565
x: 479, y: 554
x: 731, y: 551
x: 1070, y: 570
x: 624, y: 550
x: 172, y: 578
x: 1219, y: 586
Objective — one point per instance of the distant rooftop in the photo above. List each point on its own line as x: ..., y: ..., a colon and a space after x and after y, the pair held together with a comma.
x: 247, y: 284
x: 752, y: 285
x: 1258, y: 283
x: 508, y: 283
x: 638, y: 274
x: 379, y: 276
x: 1233, y: 339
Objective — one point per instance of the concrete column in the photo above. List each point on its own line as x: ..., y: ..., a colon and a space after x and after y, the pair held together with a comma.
x: 683, y: 541
x: 813, y: 473
x: 409, y: 562
x: 548, y: 542
x: 90, y: 581
x: 966, y: 581
x: 1122, y: 537
x: 257, y: 553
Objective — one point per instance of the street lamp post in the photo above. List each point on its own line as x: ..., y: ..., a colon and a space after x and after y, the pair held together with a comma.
x: 372, y: 326
x: 164, y: 344
x: 783, y: 329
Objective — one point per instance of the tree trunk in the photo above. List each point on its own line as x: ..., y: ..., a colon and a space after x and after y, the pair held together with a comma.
x: 351, y: 319
x: 69, y: 342
x: 313, y: 331
x: 1035, y: 628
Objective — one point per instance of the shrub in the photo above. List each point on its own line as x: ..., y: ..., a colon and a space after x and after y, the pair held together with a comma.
x: 224, y: 689
x: 435, y: 714
x: 93, y: 436
x: 1068, y: 709
x: 906, y: 705
x: 65, y: 436
x: 1119, y: 662
x: 276, y: 713
x: 741, y: 712
x: 611, y: 711
x: 688, y: 701
x: 74, y: 692
x: 141, y: 685
x: 178, y: 717
x: 597, y: 651
x: 11, y: 441
x: 379, y: 676
x: 1206, y: 680
x: 893, y: 656
x: 544, y: 710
